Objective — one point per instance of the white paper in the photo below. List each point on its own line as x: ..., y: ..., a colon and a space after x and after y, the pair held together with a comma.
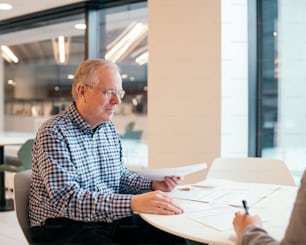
x: 231, y: 194
x: 212, y: 182
x: 218, y: 217
x: 159, y: 174
x: 187, y: 193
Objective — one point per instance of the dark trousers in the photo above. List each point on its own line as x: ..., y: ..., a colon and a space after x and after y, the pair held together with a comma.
x: 130, y: 230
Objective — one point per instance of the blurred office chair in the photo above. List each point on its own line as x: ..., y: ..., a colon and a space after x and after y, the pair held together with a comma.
x: 251, y: 169
x: 130, y: 126
x: 132, y: 135
x: 22, y: 183
x: 23, y: 161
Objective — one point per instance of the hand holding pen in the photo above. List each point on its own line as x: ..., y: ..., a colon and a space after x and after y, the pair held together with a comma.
x: 242, y: 220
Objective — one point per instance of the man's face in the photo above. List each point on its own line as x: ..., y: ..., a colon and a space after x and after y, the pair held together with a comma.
x: 95, y: 105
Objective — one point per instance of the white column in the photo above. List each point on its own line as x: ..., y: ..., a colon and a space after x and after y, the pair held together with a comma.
x: 234, y: 138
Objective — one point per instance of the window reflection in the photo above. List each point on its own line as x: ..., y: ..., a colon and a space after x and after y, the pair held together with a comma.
x: 39, y: 85
x: 42, y: 77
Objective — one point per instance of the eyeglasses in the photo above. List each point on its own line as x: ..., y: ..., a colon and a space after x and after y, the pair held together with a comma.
x: 110, y: 92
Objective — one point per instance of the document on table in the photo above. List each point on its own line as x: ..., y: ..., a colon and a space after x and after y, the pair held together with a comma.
x: 230, y: 194
x: 159, y: 174
x: 188, y: 193
x: 218, y: 217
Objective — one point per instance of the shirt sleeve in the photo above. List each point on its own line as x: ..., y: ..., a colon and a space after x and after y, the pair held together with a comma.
x: 134, y: 183
x: 295, y: 233
x: 256, y: 236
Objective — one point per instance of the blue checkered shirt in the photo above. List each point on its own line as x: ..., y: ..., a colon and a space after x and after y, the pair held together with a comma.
x: 80, y: 174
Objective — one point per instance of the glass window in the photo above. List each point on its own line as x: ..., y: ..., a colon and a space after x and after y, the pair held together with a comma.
x: 282, y: 81
x: 39, y: 84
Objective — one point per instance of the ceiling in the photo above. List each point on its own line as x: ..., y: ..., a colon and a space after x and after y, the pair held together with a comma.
x: 20, y: 7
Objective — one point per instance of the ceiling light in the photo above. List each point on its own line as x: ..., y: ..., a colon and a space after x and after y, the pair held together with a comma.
x: 124, y: 76
x: 8, y: 54
x: 139, y: 51
x: 142, y: 59
x: 134, y: 102
x: 70, y: 76
x: 61, y: 49
x: 8, y: 59
x: 80, y: 26
x: 5, y: 6
x: 130, y: 37
x: 11, y: 82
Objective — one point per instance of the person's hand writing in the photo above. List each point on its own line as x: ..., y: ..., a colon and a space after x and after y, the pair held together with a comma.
x: 155, y: 202
x: 241, y: 222
x: 168, y: 184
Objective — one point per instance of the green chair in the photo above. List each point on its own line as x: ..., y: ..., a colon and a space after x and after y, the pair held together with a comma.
x: 24, y: 158
x: 132, y: 135
x: 130, y: 126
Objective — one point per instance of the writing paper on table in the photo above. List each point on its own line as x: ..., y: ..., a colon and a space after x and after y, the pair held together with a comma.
x: 159, y: 174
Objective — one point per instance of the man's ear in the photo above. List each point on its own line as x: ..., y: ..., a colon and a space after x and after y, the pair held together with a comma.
x: 81, y: 89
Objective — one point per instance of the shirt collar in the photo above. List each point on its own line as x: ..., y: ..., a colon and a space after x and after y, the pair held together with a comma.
x: 78, y: 120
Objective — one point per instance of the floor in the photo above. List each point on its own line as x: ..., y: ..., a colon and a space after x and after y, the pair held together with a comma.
x: 10, y: 232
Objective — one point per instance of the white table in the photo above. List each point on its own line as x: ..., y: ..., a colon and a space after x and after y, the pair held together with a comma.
x: 9, y: 138
x: 275, y: 211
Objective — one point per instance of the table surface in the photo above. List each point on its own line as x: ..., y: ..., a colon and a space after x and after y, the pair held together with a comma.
x: 274, y: 209
x: 14, y: 138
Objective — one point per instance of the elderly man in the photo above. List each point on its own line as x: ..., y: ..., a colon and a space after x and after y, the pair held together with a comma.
x: 82, y: 193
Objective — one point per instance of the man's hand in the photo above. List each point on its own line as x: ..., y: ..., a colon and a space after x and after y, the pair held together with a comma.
x: 155, y: 202
x: 168, y: 184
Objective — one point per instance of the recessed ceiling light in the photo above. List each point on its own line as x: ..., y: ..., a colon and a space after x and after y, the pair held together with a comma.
x: 5, y: 6
x: 80, y: 26
x: 70, y: 76
x: 11, y: 82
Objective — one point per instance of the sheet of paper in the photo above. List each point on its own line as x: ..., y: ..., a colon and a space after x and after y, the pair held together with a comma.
x: 159, y: 174
x: 212, y: 183
x: 230, y: 194
x: 187, y: 193
x: 218, y: 217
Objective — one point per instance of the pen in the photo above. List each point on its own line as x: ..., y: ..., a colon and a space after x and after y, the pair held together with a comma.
x: 245, y: 206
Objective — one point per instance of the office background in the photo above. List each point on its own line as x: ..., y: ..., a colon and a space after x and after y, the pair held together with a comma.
x: 224, y: 78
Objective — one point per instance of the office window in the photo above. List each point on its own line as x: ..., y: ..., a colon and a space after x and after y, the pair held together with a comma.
x: 282, y: 53
x: 262, y: 102
x: 39, y: 84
